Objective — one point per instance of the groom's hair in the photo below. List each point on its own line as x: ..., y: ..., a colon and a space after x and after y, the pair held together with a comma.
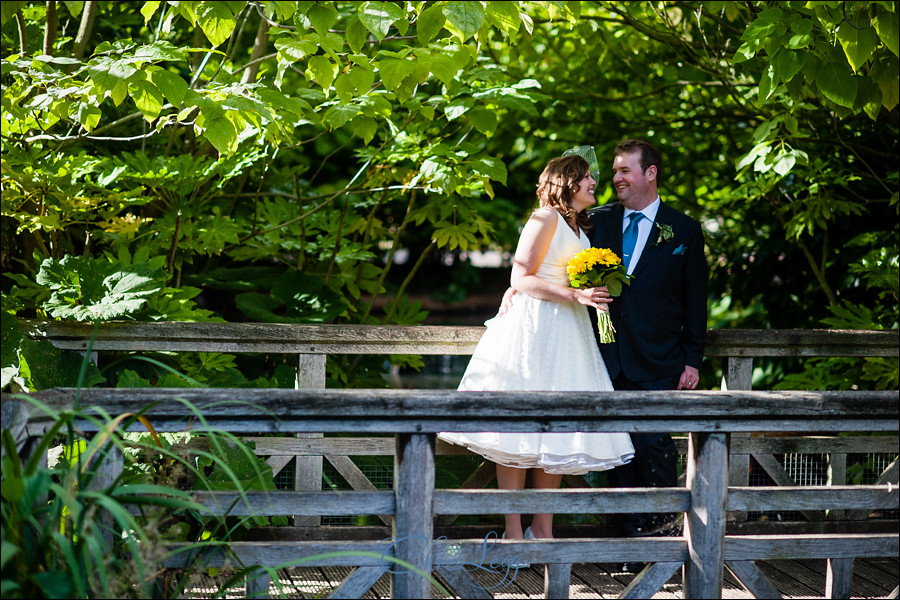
x: 649, y: 155
x: 559, y: 183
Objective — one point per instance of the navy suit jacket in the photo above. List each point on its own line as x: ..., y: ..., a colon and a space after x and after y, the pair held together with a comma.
x: 660, y: 319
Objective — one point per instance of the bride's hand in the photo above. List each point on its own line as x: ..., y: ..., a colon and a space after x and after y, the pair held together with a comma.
x: 597, y: 297
x: 506, y: 302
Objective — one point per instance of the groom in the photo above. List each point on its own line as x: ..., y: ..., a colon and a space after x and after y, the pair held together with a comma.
x: 660, y: 319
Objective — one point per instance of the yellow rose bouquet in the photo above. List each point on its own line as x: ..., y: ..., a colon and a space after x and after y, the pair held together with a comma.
x: 596, y: 267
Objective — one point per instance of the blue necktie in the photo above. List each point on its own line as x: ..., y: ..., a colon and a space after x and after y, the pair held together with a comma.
x: 629, y: 238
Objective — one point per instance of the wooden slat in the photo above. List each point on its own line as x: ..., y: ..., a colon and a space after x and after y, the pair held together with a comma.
x: 291, y: 503
x: 704, y: 523
x: 568, y: 501
x: 890, y: 475
x: 773, y: 498
x: 774, y: 444
x: 557, y: 577
x: 413, y: 518
x: 838, y: 576
x: 776, y: 471
x: 418, y: 339
x: 648, y: 581
x: 461, y: 582
x: 753, y: 579
x: 847, y: 545
x: 282, y: 410
x: 358, y: 582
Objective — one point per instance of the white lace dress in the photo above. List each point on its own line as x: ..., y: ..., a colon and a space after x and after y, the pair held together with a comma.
x: 541, y: 345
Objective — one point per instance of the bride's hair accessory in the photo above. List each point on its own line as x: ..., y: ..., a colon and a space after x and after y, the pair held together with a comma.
x: 588, y: 154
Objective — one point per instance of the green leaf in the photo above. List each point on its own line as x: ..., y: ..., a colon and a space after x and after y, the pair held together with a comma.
x: 858, y: 44
x: 504, y: 16
x: 295, y: 49
x: 379, y: 16
x: 887, y: 24
x: 147, y: 11
x: 364, y: 127
x: 788, y: 63
x: 836, y: 83
x: 216, y: 20
x: 221, y: 134
x: 464, y: 18
x: 323, y: 70
x: 147, y: 97
x: 492, y: 167
x: 339, y: 114
x: 430, y: 22
x: 173, y: 86
x: 483, y: 119
x: 322, y: 15
x: 393, y: 71
x: 356, y: 34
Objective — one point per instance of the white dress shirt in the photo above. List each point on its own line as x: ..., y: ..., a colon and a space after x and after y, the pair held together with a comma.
x: 645, y: 225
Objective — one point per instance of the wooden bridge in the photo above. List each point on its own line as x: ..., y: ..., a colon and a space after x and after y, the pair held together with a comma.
x: 714, y: 500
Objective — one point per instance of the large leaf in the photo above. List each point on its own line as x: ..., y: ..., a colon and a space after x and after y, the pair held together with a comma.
x: 858, y: 44
x: 430, y: 22
x: 379, y: 16
x: 216, y: 19
x: 887, y: 24
x: 85, y: 289
x: 464, y: 18
x: 836, y: 82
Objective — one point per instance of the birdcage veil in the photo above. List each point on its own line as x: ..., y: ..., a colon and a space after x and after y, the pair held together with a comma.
x: 588, y: 154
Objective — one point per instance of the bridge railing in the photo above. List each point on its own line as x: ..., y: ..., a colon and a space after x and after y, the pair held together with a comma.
x: 415, y: 416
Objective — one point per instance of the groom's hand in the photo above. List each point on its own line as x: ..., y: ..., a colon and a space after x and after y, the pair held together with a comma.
x: 689, y: 380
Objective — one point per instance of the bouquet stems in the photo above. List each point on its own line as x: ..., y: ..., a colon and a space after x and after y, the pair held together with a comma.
x: 605, y: 327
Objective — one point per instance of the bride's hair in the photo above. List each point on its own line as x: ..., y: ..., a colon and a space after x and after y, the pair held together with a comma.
x: 559, y: 183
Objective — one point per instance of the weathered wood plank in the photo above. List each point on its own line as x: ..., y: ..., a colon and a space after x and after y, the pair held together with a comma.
x: 563, y: 501
x: 838, y: 576
x: 281, y: 410
x: 557, y: 578
x: 648, y: 581
x: 343, y: 446
x: 292, y: 503
x: 753, y: 579
x: 704, y: 524
x: 773, y: 444
x: 813, y: 497
x: 419, y: 339
x: 776, y: 471
x: 413, y: 518
x: 462, y: 583
x: 777, y: 547
x: 358, y: 582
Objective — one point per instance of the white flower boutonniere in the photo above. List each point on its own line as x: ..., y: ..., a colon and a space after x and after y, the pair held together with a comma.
x: 665, y: 233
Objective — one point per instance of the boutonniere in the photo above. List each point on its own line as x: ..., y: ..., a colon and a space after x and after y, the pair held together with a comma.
x: 665, y: 233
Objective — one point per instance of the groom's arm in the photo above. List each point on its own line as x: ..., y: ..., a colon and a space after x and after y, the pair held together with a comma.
x: 694, y: 290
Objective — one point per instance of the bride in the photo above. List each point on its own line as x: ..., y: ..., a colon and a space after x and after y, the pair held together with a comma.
x: 545, y: 342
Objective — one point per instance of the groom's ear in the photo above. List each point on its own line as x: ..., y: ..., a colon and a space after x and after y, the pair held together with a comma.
x: 651, y: 173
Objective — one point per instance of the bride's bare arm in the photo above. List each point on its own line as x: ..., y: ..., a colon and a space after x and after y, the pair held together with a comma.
x: 533, y: 245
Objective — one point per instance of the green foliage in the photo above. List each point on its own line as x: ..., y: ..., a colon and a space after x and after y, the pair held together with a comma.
x: 308, y: 142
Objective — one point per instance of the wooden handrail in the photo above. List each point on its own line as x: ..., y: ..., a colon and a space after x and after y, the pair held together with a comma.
x: 419, y: 339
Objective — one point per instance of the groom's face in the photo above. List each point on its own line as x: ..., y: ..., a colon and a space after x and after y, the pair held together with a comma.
x: 636, y: 188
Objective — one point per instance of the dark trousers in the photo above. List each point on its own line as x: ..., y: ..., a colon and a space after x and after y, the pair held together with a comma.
x: 655, y: 463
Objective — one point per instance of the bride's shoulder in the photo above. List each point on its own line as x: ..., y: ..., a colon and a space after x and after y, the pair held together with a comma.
x: 545, y: 213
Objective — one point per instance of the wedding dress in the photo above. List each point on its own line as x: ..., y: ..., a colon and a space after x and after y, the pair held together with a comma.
x: 541, y: 345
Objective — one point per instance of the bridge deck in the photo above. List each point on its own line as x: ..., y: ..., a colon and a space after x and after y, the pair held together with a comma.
x: 872, y: 578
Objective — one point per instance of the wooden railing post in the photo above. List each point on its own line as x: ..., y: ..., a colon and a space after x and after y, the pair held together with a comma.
x: 308, y: 472
x: 704, y: 527
x: 413, y: 530
x: 738, y: 376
